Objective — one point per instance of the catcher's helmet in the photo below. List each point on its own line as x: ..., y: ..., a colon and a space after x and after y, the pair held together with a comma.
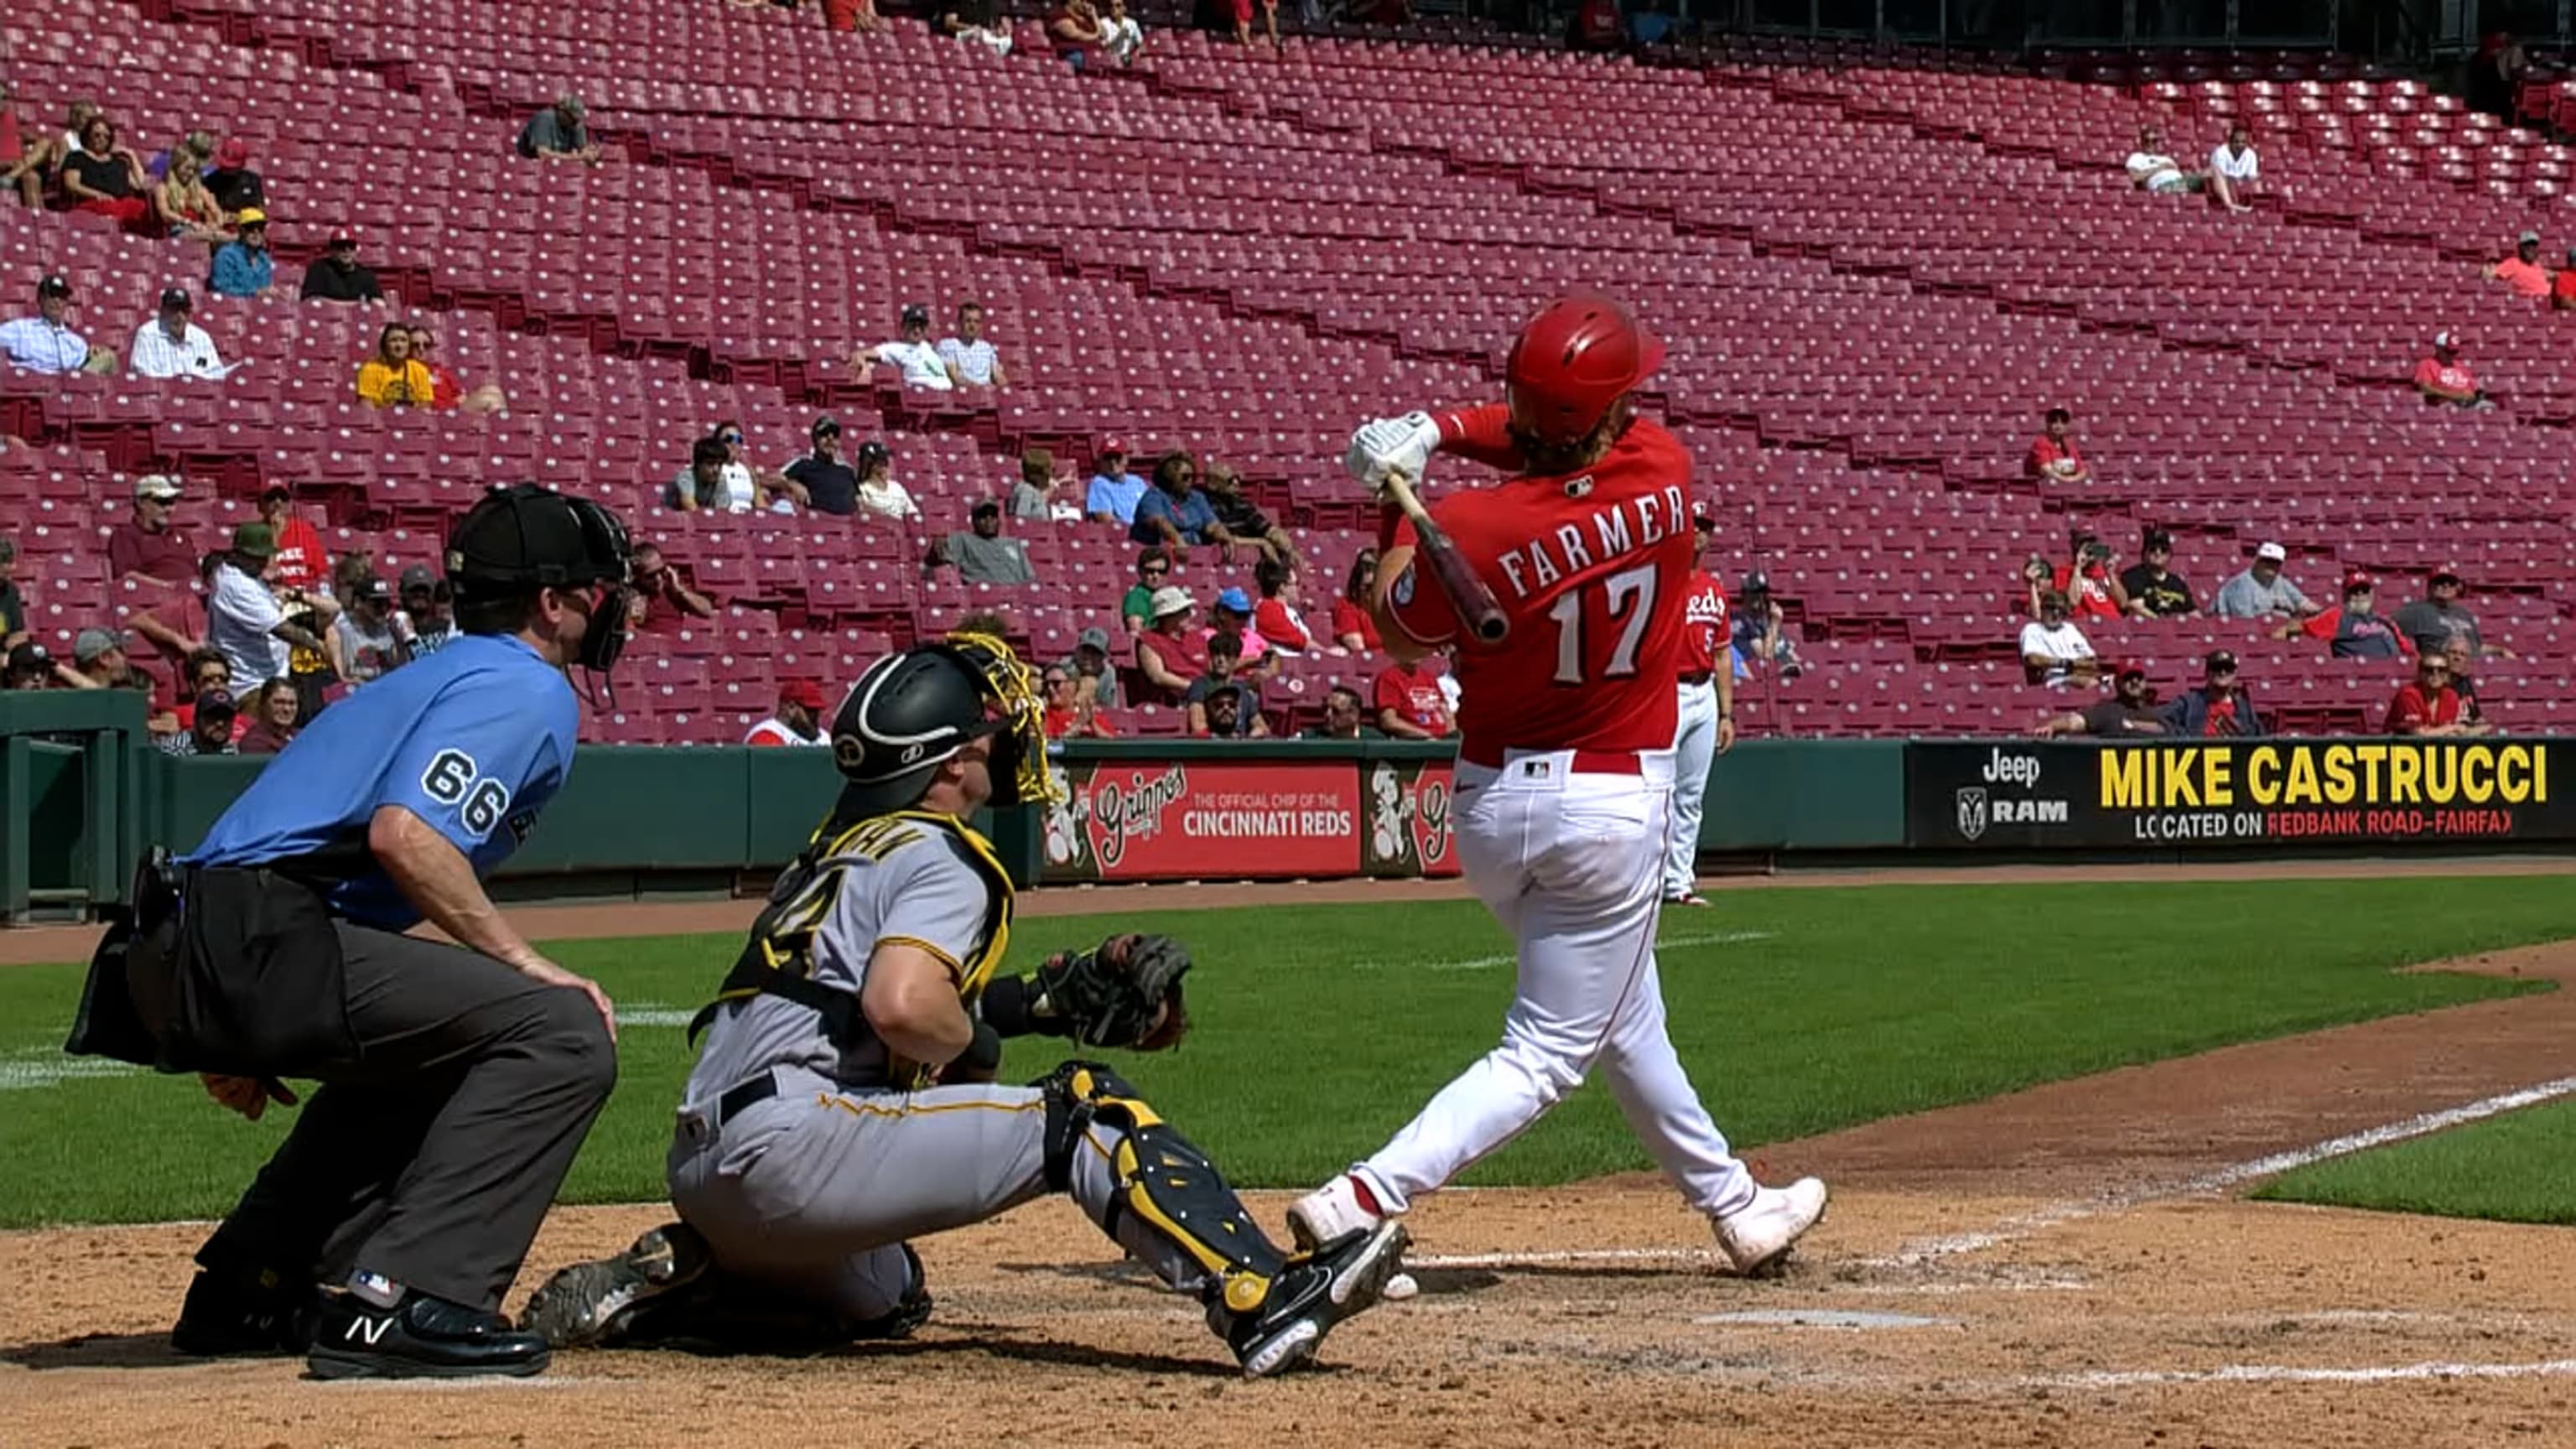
x: 913, y: 710
x: 1579, y: 355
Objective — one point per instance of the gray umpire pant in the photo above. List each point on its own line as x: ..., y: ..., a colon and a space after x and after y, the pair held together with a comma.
x: 814, y: 1191
x: 430, y: 1155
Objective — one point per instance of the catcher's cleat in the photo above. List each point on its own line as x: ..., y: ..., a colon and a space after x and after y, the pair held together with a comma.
x: 1330, y: 1213
x: 1686, y: 898
x: 592, y: 1305
x: 1760, y: 1234
x: 421, y: 1337
x: 230, y: 1315
x: 1313, y: 1294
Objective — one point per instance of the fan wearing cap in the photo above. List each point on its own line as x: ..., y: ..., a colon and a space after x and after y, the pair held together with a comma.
x: 2444, y: 380
x: 30, y: 666
x: 2522, y: 273
x: 232, y: 181
x: 336, y: 277
x: 458, y: 1080
x: 2053, y: 456
x: 879, y: 494
x: 428, y: 618
x: 2439, y: 618
x: 912, y: 354
x: 2263, y: 591
x: 2219, y: 708
x: 2354, y: 628
x: 1231, y: 613
x: 799, y: 720
x: 212, y: 727
x: 560, y: 132
x: 2131, y: 710
x: 367, y: 639
x: 831, y: 485
x: 45, y: 343
x: 982, y: 554
x: 253, y: 625
x: 1094, y: 682
x: 173, y: 345
x: 1114, y: 492
x: 99, y: 662
x: 244, y: 266
x: 1220, y: 703
x: 2155, y: 591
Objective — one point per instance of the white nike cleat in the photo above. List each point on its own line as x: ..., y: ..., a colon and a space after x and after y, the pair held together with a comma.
x: 1329, y: 1214
x: 1761, y: 1233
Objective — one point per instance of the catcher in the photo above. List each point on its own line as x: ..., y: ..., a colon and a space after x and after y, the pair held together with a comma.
x: 839, y: 1108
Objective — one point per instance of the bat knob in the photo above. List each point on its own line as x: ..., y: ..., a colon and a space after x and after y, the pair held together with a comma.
x: 1491, y: 630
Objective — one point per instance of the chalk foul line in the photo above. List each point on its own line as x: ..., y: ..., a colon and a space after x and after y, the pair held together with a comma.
x: 1488, y: 963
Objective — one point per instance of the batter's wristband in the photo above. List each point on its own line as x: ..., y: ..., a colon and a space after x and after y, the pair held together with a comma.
x: 984, y: 1053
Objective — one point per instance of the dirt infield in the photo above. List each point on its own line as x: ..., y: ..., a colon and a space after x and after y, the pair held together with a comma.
x: 2063, y: 1266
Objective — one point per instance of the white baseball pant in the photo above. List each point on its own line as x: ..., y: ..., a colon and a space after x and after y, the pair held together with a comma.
x: 1694, y: 751
x: 1572, y: 865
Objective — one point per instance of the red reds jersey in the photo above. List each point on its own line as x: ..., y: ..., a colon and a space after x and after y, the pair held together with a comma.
x: 1590, y: 567
x: 2411, y: 711
x: 1414, y: 694
x: 1703, y: 626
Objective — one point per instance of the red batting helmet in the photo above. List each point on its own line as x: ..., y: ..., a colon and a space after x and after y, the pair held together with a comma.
x: 1579, y: 355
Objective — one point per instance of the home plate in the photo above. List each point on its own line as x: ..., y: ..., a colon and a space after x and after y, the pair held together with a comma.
x: 1825, y: 1318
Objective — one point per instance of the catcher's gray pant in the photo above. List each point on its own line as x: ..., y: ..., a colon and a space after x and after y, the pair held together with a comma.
x: 815, y: 1190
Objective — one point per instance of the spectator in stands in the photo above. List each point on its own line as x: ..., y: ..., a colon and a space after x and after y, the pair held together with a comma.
x: 878, y: 492
x: 1176, y: 513
x: 560, y: 132
x: 1094, y: 682
x: 2434, y: 621
x: 2131, y: 710
x: 446, y: 390
x: 970, y: 357
x: 2354, y: 628
x: 302, y: 562
x: 2054, y: 458
x: 1410, y: 703
x: 154, y: 557
x: 2562, y: 288
x: 2464, y: 681
x: 248, y: 623
x: 45, y: 155
x: 831, y: 486
x: 236, y: 187
x: 2053, y: 651
x: 982, y: 555
x: 173, y: 345
x: 774, y: 491
x: 2261, y: 592
x: 700, y: 487
x: 798, y: 721
x: 200, y: 673
x: 106, y: 179
x: 2152, y: 170
x: 2445, y: 381
x: 1597, y: 26
x: 2494, y: 80
x: 31, y: 666
x: 336, y: 277
x: 2219, y: 708
x: 912, y: 354
x: 2428, y: 705
x: 1756, y: 626
x: 663, y: 600
x: 1219, y: 703
x: 1232, y: 614
x: 367, y: 641
x: 1122, y: 35
x: 276, y: 718
x: 99, y: 661
x: 429, y: 608
x: 243, y: 266
x: 210, y: 729
x: 1652, y: 23
x: 2155, y: 591
x: 1243, y: 519
x: 13, y: 604
x: 1344, y: 717
x: 852, y: 15
x: 1276, y: 618
x: 1114, y: 492
x: 2235, y: 172
x: 46, y: 344
x: 1070, y: 715
x: 977, y: 22
x: 2522, y: 273
x: 1354, y: 627
x: 395, y: 377
x: 1153, y: 570
x: 1074, y: 31
x: 2092, y: 590
x: 1038, y: 495
x: 21, y: 168
x: 186, y: 207
x: 1172, y: 649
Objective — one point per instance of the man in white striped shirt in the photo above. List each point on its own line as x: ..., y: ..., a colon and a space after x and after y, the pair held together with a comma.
x: 45, y: 344
x: 170, y: 345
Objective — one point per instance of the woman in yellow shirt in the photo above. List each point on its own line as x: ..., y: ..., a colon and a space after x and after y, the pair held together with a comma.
x: 393, y: 377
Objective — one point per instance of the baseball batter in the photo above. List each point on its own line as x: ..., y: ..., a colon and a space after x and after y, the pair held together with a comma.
x: 1565, y: 766
x: 1707, y: 711
x: 842, y: 1104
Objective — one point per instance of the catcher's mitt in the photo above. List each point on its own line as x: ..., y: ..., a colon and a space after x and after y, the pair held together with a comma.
x: 1126, y: 992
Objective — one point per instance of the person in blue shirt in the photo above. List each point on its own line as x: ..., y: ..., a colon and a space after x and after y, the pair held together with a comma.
x: 1176, y: 513
x: 243, y: 267
x: 1112, y: 495
x: 459, y: 1080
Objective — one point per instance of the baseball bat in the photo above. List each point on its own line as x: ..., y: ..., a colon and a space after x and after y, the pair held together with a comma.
x: 1467, y: 594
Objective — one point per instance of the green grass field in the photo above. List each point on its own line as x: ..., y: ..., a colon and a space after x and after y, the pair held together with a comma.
x: 2519, y: 1167
x: 1320, y: 1030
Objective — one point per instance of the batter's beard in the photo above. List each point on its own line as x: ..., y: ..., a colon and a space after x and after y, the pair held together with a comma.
x: 1547, y: 459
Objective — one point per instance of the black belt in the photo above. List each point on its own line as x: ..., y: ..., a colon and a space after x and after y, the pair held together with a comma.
x: 746, y: 1096
x: 1703, y: 677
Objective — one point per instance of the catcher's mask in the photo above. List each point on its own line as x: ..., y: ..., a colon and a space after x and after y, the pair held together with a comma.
x: 913, y: 710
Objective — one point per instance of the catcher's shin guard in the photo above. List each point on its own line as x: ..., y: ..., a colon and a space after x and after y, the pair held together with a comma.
x: 1164, y: 1182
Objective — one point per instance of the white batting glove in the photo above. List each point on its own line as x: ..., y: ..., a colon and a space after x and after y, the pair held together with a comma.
x: 1388, y: 445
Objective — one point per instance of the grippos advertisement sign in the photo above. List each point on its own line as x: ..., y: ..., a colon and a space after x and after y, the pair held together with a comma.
x: 2234, y: 792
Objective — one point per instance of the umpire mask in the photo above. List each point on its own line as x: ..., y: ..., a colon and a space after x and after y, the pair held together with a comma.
x: 914, y: 710
x: 524, y: 537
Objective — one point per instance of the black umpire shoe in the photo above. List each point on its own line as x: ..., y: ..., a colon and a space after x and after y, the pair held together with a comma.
x: 231, y: 1315
x: 419, y: 1338
x: 1315, y: 1292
